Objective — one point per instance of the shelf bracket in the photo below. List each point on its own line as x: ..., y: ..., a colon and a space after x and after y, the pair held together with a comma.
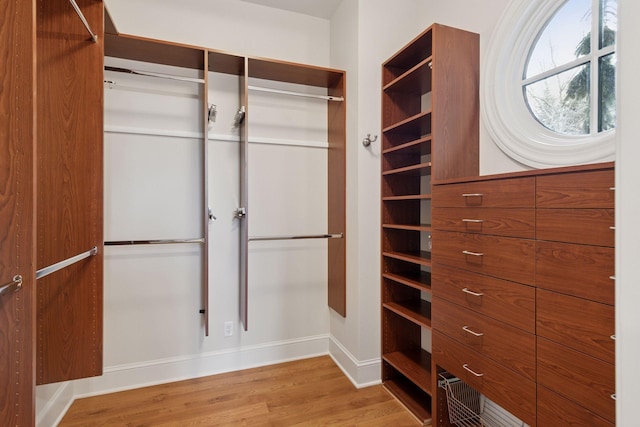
x: 94, y: 36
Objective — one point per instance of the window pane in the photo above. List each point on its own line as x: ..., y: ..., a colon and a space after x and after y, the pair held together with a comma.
x: 561, y: 102
x: 607, y: 90
x: 608, y: 22
x: 565, y: 37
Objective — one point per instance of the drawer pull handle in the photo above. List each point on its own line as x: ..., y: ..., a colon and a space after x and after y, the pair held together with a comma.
x: 476, y: 334
x: 613, y: 396
x: 475, y: 294
x: 612, y: 227
x: 612, y: 277
x: 472, y: 220
x: 612, y: 188
x: 466, y: 367
x: 613, y: 337
x: 472, y: 195
x: 472, y: 253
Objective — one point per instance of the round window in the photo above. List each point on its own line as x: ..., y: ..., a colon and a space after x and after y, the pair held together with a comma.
x: 549, y: 91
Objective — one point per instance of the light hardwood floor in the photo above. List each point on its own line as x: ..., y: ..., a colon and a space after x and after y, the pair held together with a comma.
x: 311, y: 392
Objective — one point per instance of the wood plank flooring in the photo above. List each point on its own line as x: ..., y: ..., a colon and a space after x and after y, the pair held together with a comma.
x: 311, y: 392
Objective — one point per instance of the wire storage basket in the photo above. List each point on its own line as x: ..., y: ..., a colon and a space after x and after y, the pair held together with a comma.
x: 468, y: 408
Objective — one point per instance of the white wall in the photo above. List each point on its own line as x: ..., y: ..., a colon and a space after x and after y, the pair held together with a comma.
x: 153, y: 190
x: 364, y: 33
x: 627, y: 214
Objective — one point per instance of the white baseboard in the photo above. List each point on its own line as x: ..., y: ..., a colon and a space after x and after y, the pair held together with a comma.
x: 362, y: 373
x: 52, y: 402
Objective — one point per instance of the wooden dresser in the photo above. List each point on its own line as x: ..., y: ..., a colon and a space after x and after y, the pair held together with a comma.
x: 523, y: 292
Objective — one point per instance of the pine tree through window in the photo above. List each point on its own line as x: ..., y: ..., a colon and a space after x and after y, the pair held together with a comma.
x: 569, y: 77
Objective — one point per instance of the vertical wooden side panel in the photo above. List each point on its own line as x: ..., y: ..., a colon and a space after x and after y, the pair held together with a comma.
x: 205, y: 194
x: 455, y: 98
x: 337, y: 161
x: 70, y: 189
x: 17, y: 205
x: 244, y: 197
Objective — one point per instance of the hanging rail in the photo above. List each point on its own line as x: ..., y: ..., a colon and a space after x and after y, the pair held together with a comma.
x: 15, y: 285
x: 94, y: 36
x: 152, y: 242
x: 311, y: 236
x: 151, y: 74
x: 66, y: 263
x: 305, y: 95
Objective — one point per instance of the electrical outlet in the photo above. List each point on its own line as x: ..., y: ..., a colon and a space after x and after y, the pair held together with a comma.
x: 228, y: 328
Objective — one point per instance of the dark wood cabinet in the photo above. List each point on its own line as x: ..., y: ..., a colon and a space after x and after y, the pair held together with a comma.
x: 510, y: 390
x: 17, y: 213
x: 495, y: 221
x: 69, y: 190
x: 503, y: 257
x: 506, y: 344
x: 575, y: 313
x: 552, y: 277
x: 499, y: 299
x: 559, y: 266
x: 429, y: 132
x: 51, y: 203
x: 555, y: 410
x: 579, y: 323
x: 581, y: 378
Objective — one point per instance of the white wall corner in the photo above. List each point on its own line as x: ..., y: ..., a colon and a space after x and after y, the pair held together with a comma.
x: 361, y: 373
x: 52, y: 403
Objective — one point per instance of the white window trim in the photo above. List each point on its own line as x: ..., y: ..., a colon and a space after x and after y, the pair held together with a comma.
x: 504, y: 110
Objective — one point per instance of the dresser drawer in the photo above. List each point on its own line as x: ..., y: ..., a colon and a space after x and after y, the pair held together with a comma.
x: 498, y: 221
x: 592, y: 189
x: 586, y: 226
x: 583, y: 379
x: 513, y: 392
x: 555, y: 410
x: 509, y: 346
x: 499, y: 299
x: 578, y: 323
x: 504, y: 257
x: 579, y: 270
x: 505, y: 193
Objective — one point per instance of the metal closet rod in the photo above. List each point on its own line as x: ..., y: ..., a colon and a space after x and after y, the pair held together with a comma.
x: 310, y: 236
x: 14, y: 285
x: 305, y: 95
x: 94, y: 36
x: 152, y: 242
x: 152, y: 74
x: 66, y: 263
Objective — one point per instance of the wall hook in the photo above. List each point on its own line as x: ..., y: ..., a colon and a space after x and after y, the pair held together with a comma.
x: 213, y: 112
x: 368, y: 140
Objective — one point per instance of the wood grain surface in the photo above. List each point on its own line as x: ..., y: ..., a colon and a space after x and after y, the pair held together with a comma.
x: 311, y: 392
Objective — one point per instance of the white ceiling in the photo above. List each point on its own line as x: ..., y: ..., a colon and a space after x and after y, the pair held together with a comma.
x: 319, y: 8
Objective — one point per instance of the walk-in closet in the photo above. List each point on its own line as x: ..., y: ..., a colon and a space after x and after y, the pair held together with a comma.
x: 303, y: 212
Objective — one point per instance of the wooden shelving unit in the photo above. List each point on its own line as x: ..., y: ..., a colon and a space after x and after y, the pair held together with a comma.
x: 429, y: 132
x: 207, y: 60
